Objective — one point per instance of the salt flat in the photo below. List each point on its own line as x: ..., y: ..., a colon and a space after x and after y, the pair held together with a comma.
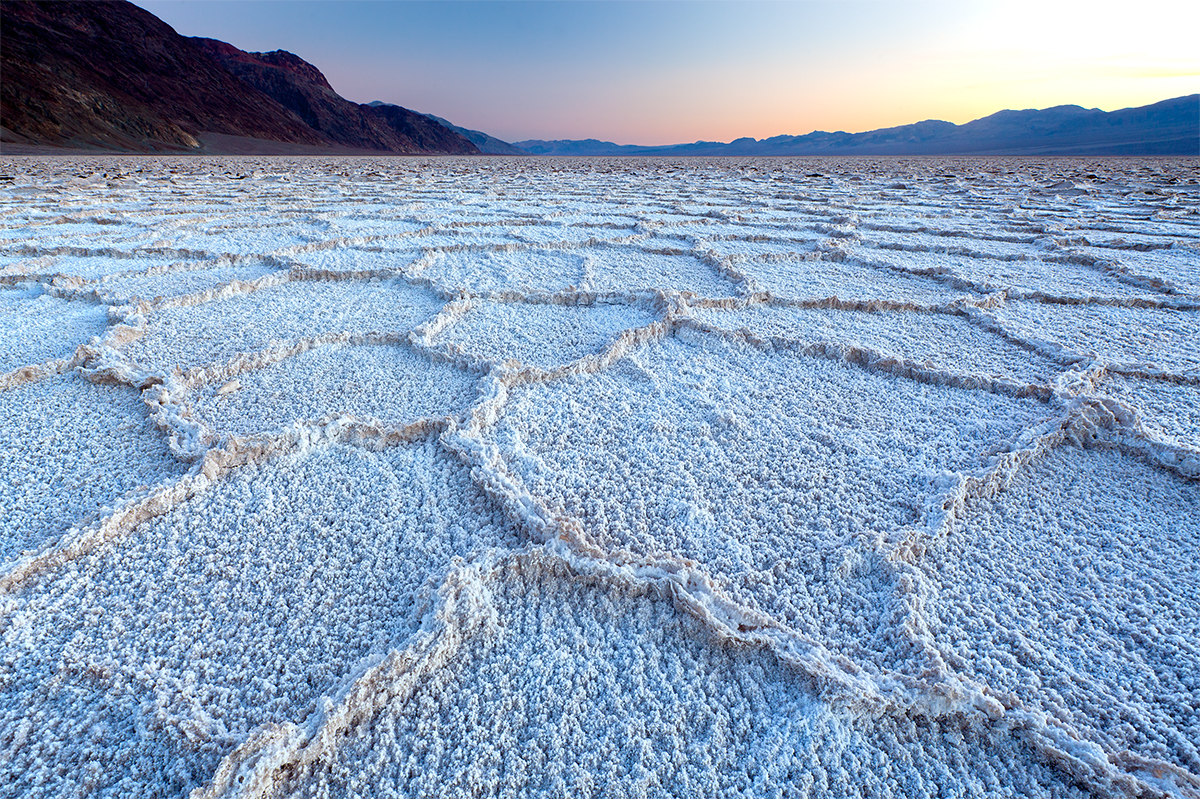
x: 599, y: 477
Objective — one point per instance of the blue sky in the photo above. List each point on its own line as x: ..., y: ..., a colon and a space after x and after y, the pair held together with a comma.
x: 678, y: 71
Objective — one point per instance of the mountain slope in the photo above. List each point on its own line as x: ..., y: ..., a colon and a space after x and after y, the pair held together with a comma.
x: 110, y: 75
x: 107, y: 75
x: 301, y: 88
x: 1170, y: 127
x: 485, y: 142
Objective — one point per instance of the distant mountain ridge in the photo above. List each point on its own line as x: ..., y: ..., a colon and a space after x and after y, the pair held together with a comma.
x: 1170, y: 127
x: 107, y: 75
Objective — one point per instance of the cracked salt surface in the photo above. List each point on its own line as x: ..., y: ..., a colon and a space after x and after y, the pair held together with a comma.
x: 36, y: 326
x: 599, y: 477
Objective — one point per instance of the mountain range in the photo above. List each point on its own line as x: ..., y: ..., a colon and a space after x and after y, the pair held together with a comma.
x: 1171, y: 127
x: 108, y: 76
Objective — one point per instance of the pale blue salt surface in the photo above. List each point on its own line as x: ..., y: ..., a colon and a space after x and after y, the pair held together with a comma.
x: 398, y: 255
x: 920, y: 241
x: 523, y: 270
x: 179, y: 282
x: 1170, y: 410
x: 1076, y: 590
x: 1179, y: 266
x: 543, y: 336
x: 139, y: 659
x: 633, y: 268
x: 67, y: 449
x: 947, y: 342
x: 37, y: 327
x: 774, y: 471
x: 216, y: 332
x: 100, y: 264
x: 1154, y: 338
x: 801, y: 278
x: 386, y: 383
x: 575, y: 689
x: 1053, y: 278
x: 241, y: 607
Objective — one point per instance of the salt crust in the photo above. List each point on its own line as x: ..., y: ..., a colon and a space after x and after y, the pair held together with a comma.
x: 947, y: 341
x: 198, y: 335
x: 389, y: 384
x: 1152, y: 340
x: 808, y: 528
x: 570, y: 689
x: 776, y: 472
x: 36, y: 326
x: 67, y: 449
x: 1075, y: 591
x: 543, y: 336
x: 1171, y: 410
x: 238, y: 608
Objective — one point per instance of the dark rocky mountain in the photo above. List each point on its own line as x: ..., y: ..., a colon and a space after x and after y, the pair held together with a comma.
x: 1171, y: 127
x: 106, y: 75
x: 301, y: 88
x: 486, y: 143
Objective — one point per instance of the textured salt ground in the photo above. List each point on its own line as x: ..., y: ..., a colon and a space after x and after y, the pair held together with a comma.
x: 1055, y: 279
x: 1179, y: 265
x: 947, y: 342
x: 67, y: 449
x: 1075, y: 590
x: 919, y: 241
x: 746, y: 248
x: 36, y: 327
x: 241, y: 607
x: 880, y: 454
x: 369, y: 257
x: 635, y: 269
x: 179, y: 282
x: 390, y: 384
x: 544, y: 336
x: 1170, y: 410
x: 574, y: 689
x: 522, y: 270
x: 776, y: 472
x: 217, y: 331
x: 543, y: 234
x: 803, y: 278
x: 1141, y: 337
x: 93, y: 267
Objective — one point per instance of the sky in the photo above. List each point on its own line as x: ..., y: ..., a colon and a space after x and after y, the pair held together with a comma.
x: 680, y: 71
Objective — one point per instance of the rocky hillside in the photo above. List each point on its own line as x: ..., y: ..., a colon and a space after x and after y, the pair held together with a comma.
x: 106, y: 75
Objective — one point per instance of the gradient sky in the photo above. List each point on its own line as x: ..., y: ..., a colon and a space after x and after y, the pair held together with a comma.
x: 678, y: 71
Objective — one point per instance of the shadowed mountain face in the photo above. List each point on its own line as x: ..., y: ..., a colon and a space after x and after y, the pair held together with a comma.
x: 301, y: 88
x: 108, y: 75
x: 1171, y: 127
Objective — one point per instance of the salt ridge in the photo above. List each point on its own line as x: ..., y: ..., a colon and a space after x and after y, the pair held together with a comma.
x: 809, y: 227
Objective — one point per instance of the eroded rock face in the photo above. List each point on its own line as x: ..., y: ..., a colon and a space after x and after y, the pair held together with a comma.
x: 301, y: 88
x: 111, y: 76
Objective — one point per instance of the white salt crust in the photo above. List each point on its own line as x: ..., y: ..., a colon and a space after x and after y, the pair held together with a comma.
x: 622, y: 477
x: 198, y: 335
x: 543, y: 336
x: 1076, y: 590
x: 948, y: 342
x: 570, y: 689
x: 68, y: 449
x: 36, y: 326
x: 777, y: 472
x: 389, y: 384
x: 238, y: 608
